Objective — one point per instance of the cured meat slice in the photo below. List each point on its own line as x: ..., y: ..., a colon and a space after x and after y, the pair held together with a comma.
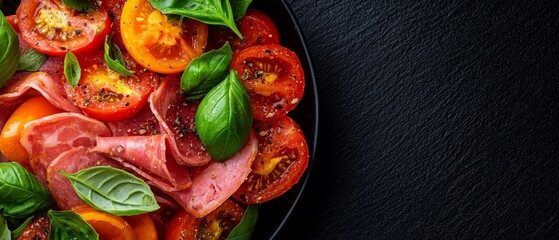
x: 214, y: 183
x: 177, y: 119
x: 46, y: 138
x: 42, y: 83
x: 146, y: 156
x: 144, y: 123
x: 72, y: 161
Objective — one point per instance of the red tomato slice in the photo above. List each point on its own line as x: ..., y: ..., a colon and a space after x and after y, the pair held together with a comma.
x: 157, y: 44
x: 12, y: 20
x: 257, y: 29
x: 114, y: 10
x: 37, y: 230
x: 216, y: 225
x: 282, y: 158
x: 53, y: 29
x: 106, y: 95
x: 183, y: 227
x: 274, y: 78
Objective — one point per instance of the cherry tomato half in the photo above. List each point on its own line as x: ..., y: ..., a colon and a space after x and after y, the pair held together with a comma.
x: 274, y: 78
x: 257, y: 29
x: 108, y: 226
x: 215, y: 226
x: 53, y: 29
x: 106, y: 95
x: 37, y: 230
x: 158, y: 44
x: 282, y: 158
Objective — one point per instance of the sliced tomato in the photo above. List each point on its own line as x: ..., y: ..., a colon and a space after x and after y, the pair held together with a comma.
x: 12, y: 20
x: 183, y: 227
x: 108, y: 226
x: 219, y: 223
x: 216, y: 225
x: 37, y: 230
x: 282, y: 158
x: 143, y: 226
x: 53, y: 29
x: 114, y: 9
x: 257, y: 29
x: 106, y: 95
x: 274, y: 78
x: 158, y: 44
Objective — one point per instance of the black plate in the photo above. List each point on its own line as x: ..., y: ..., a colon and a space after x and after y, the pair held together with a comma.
x: 275, y: 213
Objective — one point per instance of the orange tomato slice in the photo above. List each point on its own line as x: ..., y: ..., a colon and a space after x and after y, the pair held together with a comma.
x: 32, y: 109
x: 108, y: 226
x: 143, y: 226
x: 158, y: 44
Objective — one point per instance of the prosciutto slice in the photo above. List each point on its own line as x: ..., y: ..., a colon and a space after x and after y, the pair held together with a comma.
x: 146, y: 156
x: 42, y: 83
x: 46, y: 138
x: 72, y: 161
x: 214, y: 183
x: 176, y: 118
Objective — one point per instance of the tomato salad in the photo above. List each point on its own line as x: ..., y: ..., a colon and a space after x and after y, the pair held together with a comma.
x: 144, y: 119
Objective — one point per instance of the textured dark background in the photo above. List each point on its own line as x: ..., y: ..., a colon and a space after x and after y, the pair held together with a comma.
x: 439, y: 120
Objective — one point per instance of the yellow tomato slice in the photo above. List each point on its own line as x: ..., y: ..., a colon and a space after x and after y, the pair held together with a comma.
x: 108, y: 226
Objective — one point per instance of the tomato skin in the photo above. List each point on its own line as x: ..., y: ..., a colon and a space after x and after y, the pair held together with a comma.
x: 12, y: 20
x: 143, y: 226
x: 108, y: 226
x: 157, y: 44
x: 106, y: 95
x: 183, y: 227
x: 282, y: 158
x: 53, y: 29
x: 274, y: 78
x: 256, y: 27
x: 37, y: 230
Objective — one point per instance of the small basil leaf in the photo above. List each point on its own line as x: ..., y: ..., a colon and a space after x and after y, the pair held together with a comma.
x: 245, y: 228
x: 215, y: 12
x: 239, y: 7
x: 4, y: 231
x: 21, y: 193
x: 69, y: 225
x: 224, y: 118
x: 80, y: 5
x: 113, y: 190
x: 19, y: 230
x: 206, y: 71
x: 72, y: 69
x: 31, y: 61
x: 113, y: 58
x: 9, y: 56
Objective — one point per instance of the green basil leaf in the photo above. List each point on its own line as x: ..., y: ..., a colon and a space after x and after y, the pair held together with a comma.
x: 215, y: 12
x: 72, y: 69
x: 245, y: 228
x: 69, y: 225
x: 113, y: 58
x: 31, y: 61
x: 239, y: 7
x: 21, y: 193
x: 206, y: 71
x: 113, y: 190
x: 4, y: 231
x: 224, y: 118
x: 80, y: 5
x: 9, y: 56
x: 19, y: 230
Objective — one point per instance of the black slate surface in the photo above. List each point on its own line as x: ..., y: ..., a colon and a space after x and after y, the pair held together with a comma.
x: 439, y: 120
